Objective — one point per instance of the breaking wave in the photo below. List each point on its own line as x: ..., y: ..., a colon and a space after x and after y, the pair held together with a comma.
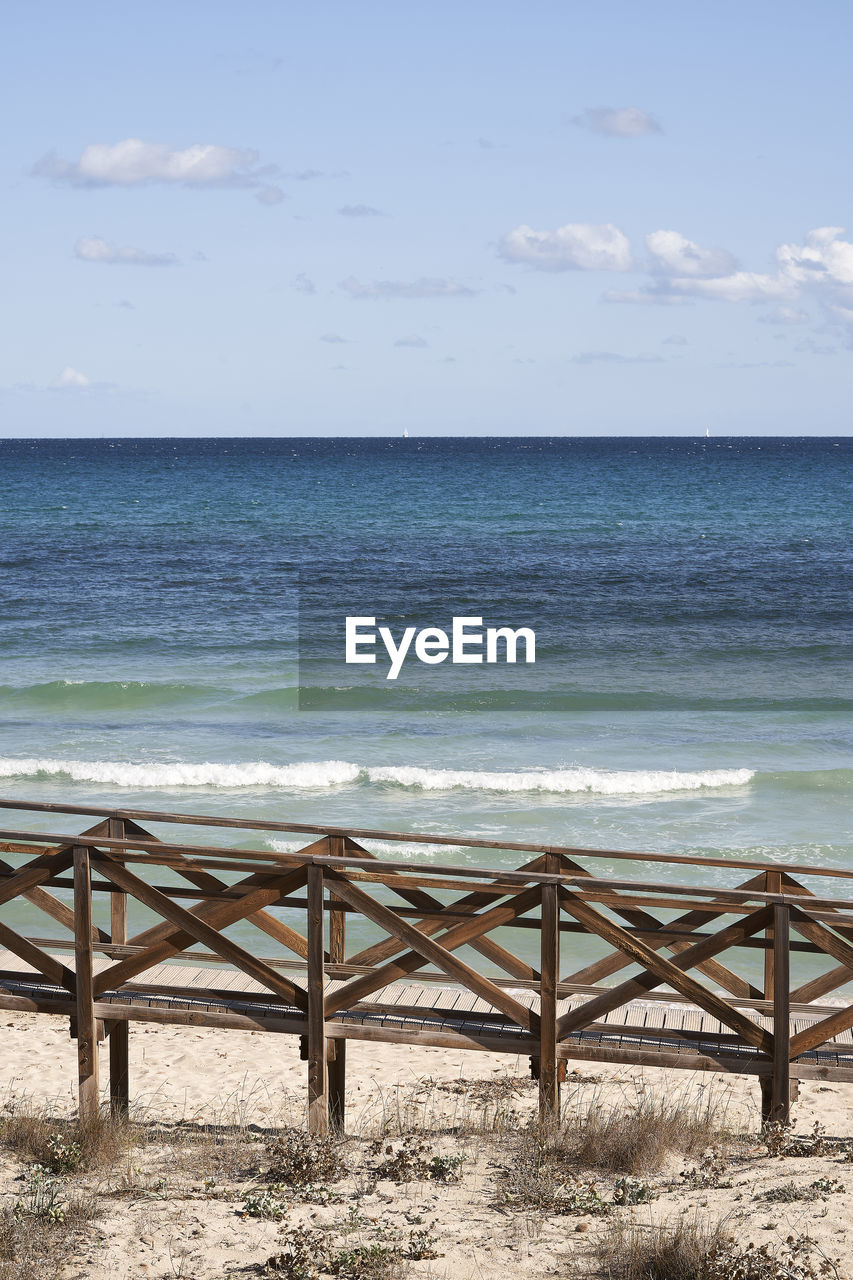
x: 327, y: 774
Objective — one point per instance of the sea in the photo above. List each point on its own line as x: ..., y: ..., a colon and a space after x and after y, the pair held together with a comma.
x: 172, y: 617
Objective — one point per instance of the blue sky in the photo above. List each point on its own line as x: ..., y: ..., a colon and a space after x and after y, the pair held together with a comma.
x: 467, y: 218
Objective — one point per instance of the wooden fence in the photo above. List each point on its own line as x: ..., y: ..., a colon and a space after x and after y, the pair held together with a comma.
x: 658, y: 995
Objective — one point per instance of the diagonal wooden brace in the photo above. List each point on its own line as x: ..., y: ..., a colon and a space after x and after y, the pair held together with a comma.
x: 472, y: 902
x: 426, y: 950
x: 659, y: 970
x: 615, y: 961
x: 197, y: 930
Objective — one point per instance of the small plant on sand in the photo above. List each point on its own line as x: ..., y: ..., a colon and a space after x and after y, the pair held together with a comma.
x: 788, y: 1192
x: 780, y: 1142
x: 413, y: 1160
x: 302, y: 1256
x: 42, y: 1198
x: 545, y: 1190
x: 265, y: 1203
x: 308, y: 1254
x: 299, y: 1158
x: 633, y: 1191
x: 711, y: 1171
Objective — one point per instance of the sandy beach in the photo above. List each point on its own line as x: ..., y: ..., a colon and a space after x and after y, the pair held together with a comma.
x: 174, y: 1204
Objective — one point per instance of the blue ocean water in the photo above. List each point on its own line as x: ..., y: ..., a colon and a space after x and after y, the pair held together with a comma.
x: 163, y: 601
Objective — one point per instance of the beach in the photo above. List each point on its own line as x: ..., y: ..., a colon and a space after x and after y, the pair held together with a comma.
x: 165, y: 1205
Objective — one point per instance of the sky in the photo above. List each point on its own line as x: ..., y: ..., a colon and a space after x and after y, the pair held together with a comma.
x: 462, y: 218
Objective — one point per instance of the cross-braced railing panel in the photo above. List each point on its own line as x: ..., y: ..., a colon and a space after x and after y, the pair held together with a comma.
x: 661, y: 941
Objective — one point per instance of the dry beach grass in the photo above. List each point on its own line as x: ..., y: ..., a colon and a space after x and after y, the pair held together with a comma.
x: 444, y: 1171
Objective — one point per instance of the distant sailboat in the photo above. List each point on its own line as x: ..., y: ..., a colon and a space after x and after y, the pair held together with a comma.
x: 707, y: 433
x: 405, y: 434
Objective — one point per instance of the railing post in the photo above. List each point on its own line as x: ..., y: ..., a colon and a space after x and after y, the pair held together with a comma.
x: 336, y: 1050
x: 549, y: 1087
x: 772, y: 884
x: 119, y: 1030
x: 87, y: 1030
x: 318, y: 1075
x: 780, y: 1103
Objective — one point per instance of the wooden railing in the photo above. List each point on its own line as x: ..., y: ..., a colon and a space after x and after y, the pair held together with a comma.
x: 670, y: 933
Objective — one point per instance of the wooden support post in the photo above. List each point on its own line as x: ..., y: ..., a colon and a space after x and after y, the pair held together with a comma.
x: 780, y: 1091
x: 87, y: 1031
x: 318, y: 1073
x: 120, y: 1030
x: 337, y: 1057
x: 549, y: 1088
x: 772, y: 884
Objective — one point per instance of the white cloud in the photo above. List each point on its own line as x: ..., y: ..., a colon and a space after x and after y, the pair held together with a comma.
x: 672, y: 254
x: 94, y: 249
x: 740, y: 286
x: 675, y: 340
x: 614, y: 357
x: 824, y: 257
x: 784, y: 315
x: 332, y: 338
x: 303, y: 284
x: 578, y: 246
x: 657, y: 292
x: 71, y: 380
x: 360, y: 211
x: 618, y: 122
x: 426, y: 287
x: 411, y: 340
x: 134, y: 162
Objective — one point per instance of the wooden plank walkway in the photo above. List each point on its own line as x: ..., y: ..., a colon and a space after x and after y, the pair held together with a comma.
x: 220, y: 996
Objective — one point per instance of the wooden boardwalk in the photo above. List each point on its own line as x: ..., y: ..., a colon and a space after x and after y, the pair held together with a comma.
x: 225, y: 997
x: 650, y: 936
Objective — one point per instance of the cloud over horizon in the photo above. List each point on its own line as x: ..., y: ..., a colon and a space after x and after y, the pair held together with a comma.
x: 70, y: 380
x: 425, y: 287
x: 618, y: 122
x: 360, y: 211
x: 577, y: 246
x: 134, y: 162
x: 95, y: 249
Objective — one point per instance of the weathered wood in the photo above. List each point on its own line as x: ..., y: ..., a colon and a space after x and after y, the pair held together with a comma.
x: 468, y: 904
x: 426, y: 949
x: 781, y: 1093
x: 53, y: 907
x: 41, y: 961
x: 87, y: 1031
x: 198, y: 931
x: 549, y: 968
x: 168, y: 941
x: 772, y: 884
x: 318, y: 1087
x: 336, y: 1060
x: 208, y: 820
x: 119, y: 1030
x: 659, y: 970
x: 617, y: 960
x: 42, y: 869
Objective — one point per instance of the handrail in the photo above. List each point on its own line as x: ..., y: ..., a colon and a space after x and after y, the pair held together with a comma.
x: 467, y: 842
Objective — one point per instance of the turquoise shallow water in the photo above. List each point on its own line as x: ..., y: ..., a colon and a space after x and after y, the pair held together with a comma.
x: 171, y: 636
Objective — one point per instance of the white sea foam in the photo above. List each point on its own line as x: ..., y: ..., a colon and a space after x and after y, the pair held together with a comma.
x: 120, y: 773
x: 326, y: 774
x: 602, y: 782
